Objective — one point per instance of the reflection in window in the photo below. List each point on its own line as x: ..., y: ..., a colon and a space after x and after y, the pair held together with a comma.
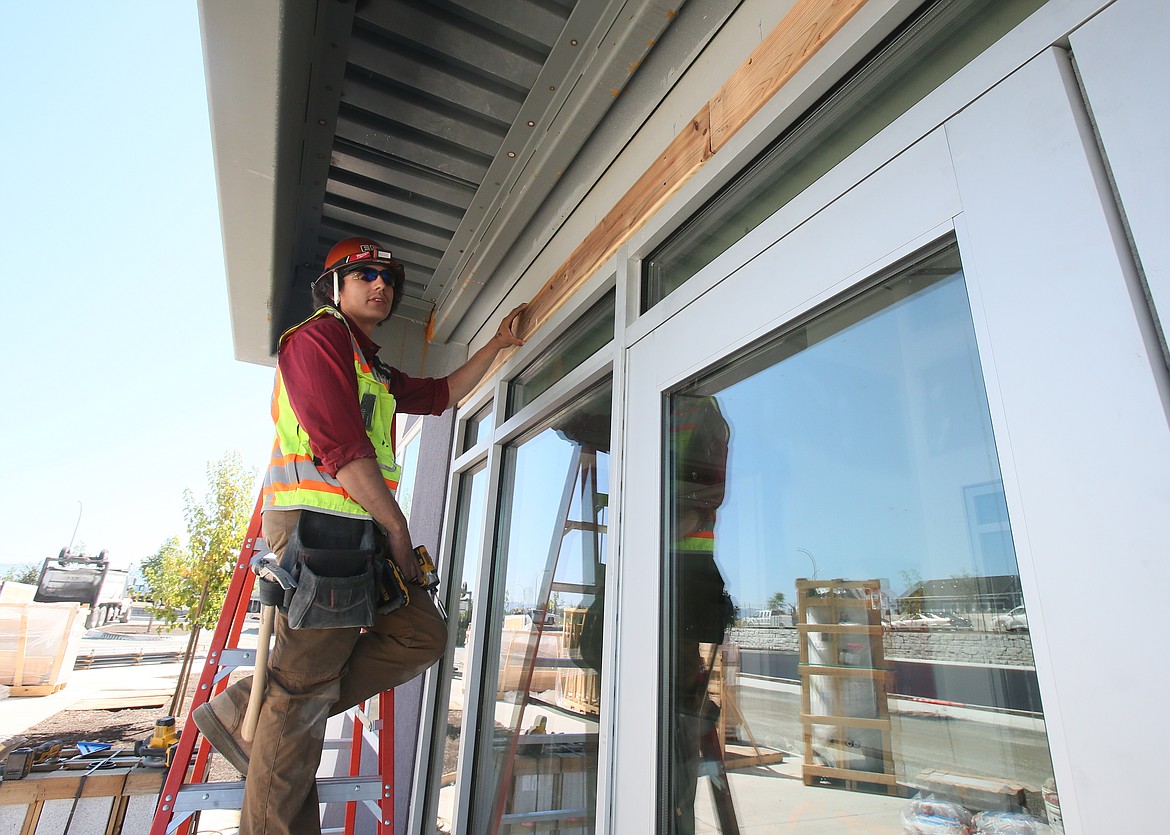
x: 583, y: 339
x: 477, y: 428
x: 536, y: 764
x: 928, y: 49
x: 451, y: 696
x: 408, y: 456
x: 843, y: 597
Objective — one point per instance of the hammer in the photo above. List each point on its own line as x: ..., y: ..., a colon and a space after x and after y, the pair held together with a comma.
x: 276, y: 582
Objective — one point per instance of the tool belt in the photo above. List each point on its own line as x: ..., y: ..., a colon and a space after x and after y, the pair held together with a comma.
x: 342, y: 571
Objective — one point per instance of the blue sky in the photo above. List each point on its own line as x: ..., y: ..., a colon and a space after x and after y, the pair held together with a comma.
x: 119, y: 379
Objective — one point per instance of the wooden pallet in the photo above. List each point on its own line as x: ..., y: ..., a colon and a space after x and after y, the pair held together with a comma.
x: 723, y: 688
x: 844, y: 684
x: 114, y: 801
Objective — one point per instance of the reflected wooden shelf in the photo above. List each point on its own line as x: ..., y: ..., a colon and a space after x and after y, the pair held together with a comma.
x: 844, y: 684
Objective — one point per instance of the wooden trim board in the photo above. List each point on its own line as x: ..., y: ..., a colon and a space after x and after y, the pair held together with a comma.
x: 796, y: 38
x: 804, y: 30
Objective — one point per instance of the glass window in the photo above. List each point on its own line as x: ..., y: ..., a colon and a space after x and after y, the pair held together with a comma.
x: 536, y: 764
x: 931, y: 47
x: 408, y: 457
x: 451, y: 695
x: 582, y: 340
x: 477, y: 428
x: 843, y: 601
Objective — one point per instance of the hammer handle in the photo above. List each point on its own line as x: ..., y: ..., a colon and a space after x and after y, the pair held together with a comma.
x: 259, y: 674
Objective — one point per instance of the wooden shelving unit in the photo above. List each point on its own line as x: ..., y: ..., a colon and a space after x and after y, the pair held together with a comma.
x: 844, y: 682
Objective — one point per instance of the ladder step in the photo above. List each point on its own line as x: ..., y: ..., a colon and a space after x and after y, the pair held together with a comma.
x: 574, y: 525
x: 236, y: 657
x: 197, y: 797
x: 576, y: 588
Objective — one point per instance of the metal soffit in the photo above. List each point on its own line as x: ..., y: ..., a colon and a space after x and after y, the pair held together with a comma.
x: 438, y: 128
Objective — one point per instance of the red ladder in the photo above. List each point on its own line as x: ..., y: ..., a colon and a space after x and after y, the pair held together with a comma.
x: 185, y: 793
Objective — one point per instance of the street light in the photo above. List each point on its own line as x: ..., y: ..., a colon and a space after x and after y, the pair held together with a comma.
x: 75, y: 527
x: 808, y: 554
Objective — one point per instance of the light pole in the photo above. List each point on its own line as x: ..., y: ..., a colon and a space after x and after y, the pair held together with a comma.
x: 808, y: 554
x: 75, y: 527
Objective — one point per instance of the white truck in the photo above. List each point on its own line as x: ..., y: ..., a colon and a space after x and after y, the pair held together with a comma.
x: 771, y: 617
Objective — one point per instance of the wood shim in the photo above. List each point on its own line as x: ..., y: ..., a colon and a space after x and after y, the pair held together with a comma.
x: 797, y: 37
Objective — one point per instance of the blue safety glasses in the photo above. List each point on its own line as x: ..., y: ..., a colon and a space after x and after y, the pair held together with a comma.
x: 371, y: 273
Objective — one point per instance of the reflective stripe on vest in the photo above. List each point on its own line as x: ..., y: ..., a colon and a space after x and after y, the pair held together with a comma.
x: 697, y: 541
x: 294, y: 480
x: 686, y: 420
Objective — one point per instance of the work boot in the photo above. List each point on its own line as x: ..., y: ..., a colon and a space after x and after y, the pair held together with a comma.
x: 221, y: 720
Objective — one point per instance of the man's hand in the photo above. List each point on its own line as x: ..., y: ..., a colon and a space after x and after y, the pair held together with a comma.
x: 462, y: 380
x: 407, y: 565
x: 506, y: 333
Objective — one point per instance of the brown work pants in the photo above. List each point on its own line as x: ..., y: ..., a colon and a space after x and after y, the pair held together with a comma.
x: 314, y: 674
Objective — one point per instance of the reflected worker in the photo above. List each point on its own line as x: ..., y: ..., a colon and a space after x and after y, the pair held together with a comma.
x: 702, y: 608
x: 328, y: 500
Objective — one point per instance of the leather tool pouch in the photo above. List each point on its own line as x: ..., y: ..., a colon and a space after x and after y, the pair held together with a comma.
x: 336, y: 563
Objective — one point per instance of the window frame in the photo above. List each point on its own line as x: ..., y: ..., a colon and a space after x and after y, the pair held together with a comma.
x: 490, y: 453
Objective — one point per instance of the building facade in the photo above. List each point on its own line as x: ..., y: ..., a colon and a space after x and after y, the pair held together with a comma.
x: 838, y: 400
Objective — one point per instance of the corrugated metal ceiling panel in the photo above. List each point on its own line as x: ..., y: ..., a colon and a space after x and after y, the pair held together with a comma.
x: 437, y: 127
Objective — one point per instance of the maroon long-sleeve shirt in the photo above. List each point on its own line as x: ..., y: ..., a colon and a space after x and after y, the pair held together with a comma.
x: 316, y: 363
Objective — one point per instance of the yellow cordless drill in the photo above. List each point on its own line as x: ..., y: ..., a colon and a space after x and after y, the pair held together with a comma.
x: 430, y: 576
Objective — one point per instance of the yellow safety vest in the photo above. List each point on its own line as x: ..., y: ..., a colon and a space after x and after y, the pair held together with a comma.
x: 294, y: 479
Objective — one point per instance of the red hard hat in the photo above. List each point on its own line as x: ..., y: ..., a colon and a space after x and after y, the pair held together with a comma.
x: 362, y: 251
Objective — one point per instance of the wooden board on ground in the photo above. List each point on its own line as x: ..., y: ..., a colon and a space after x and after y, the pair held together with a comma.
x: 36, y: 690
x: 123, y: 702
x: 744, y: 756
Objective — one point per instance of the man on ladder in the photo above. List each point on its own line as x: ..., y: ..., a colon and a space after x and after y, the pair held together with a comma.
x: 330, y: 517
x: 701, y: 607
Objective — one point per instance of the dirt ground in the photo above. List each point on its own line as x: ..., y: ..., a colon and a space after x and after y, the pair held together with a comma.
x: 121, y: 729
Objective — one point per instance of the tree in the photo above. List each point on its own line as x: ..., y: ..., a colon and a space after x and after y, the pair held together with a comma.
x: 190, y: 583
x: 776, y: 601
x: 29, y: 573
x: 912, y: 599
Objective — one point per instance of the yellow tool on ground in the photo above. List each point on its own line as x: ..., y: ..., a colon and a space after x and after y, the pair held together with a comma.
x: 47, y: 752
x: 21, y: 761
x: 162, y: 741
